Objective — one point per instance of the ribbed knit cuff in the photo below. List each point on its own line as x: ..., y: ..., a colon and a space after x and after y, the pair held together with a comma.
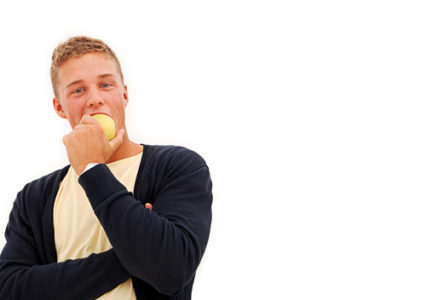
x: 99, y: 183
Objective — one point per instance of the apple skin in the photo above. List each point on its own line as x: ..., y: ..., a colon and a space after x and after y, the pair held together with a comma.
x: 107, y: 124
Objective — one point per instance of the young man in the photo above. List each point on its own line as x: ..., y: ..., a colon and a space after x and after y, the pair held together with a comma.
x: 123, y: 220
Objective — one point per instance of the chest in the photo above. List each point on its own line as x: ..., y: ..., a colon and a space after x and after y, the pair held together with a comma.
x: 77, y: 231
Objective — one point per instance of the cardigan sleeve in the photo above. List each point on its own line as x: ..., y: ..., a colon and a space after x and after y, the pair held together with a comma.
x: 24, y: 276
x: 162, y: 247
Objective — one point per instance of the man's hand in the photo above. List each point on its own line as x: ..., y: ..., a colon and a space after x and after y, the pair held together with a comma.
x: 148, y: 206
x: 87, y: 143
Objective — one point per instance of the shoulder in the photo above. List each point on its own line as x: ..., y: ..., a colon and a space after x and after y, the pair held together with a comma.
x: 36, y: 193
x: 162, y: 163
x: 170, y: 155
x: 45, y: 182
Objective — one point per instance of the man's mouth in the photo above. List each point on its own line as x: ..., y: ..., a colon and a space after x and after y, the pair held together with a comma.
x: 100, y: 113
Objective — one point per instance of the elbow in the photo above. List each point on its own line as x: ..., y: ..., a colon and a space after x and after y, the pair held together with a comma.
x: 168, y: 273
x: 170, y: 266
x: 174, y: 280
x: 177, y: 269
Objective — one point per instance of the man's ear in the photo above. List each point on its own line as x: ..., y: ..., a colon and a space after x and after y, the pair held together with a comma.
x: 58, y: 108
x: 125, y: 96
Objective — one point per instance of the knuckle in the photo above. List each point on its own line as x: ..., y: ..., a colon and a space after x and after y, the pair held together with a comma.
x: 98, y: 129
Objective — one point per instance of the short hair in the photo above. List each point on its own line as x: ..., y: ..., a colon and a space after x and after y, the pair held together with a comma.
x: 75, y: 47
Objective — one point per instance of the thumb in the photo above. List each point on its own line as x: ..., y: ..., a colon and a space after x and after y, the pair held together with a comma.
x: 116, y: 142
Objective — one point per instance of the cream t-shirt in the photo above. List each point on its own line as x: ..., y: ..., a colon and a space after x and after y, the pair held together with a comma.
x: 78, y: 232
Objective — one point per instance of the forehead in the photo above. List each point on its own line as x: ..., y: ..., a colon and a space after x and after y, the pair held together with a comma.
x: 86, y: 67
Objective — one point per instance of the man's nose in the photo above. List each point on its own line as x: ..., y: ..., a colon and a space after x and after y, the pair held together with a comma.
x: 95, y: 98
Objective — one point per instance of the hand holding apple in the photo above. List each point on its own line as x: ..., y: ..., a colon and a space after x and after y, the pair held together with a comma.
x: 87, y: 143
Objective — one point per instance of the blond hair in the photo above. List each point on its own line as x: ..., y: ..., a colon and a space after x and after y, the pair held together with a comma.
x: 75, y: 47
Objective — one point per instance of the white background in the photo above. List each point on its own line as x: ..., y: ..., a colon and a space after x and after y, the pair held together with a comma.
x: 310, y: 114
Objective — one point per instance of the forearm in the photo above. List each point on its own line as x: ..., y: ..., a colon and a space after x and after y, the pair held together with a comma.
x: 162, y: 247
x: 86, y: 278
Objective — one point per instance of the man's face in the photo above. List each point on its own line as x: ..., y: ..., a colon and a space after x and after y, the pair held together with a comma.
x: 90, y: 84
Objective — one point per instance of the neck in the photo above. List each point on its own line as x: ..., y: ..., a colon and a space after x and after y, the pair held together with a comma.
x: 127, y: 149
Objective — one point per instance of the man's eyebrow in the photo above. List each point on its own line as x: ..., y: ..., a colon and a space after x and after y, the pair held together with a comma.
x: 105, y: 75
x: 74, y: 82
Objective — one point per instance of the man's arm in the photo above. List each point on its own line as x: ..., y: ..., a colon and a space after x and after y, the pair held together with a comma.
x: 22, y: 276
x: 162, y: 247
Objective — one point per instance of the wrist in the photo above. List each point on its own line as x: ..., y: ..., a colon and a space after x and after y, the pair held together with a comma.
x: 88, y: 167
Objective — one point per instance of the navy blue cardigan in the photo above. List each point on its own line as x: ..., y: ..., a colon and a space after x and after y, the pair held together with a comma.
x: 159, y: 249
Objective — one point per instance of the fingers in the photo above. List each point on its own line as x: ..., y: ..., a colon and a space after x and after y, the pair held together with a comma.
x: 116, y: 142
x: 87, y: 119
x: 148, y: 206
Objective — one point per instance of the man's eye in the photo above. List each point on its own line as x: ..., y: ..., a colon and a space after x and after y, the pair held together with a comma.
x: 78, y: 91
x: 105, y: 85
